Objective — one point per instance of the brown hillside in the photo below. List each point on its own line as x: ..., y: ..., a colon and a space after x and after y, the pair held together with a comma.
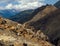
x: 48, y: 9
x: 15, y: 34
x: 49, y: 23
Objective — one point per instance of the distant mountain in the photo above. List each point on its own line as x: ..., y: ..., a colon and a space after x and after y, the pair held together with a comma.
x: 8, y: 12
x: 57, y: 4
x: 26, y: 15
x: 22, y: 16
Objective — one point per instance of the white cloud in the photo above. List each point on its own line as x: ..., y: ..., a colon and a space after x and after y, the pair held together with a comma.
x: 9, y: 6
x: 24, y: 4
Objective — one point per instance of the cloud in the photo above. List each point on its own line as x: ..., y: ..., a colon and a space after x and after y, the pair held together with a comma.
x: 23, y: 4
x: 9, y: 6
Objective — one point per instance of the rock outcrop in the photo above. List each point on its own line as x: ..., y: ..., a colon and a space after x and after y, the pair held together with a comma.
x: 15, y: 34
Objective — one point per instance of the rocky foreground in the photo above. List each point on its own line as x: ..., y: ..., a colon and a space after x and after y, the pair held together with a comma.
x: 15, y: 34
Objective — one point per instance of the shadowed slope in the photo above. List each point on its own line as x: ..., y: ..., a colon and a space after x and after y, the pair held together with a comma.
x: 49, y: 24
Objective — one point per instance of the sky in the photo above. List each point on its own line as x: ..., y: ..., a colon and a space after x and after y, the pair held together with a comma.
x: 24, y: 4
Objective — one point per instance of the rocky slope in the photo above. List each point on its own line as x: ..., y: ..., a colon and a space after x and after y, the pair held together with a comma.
x: 15, y: 34
x: 47, y: 10
x: 40, y: 15
x: 49, y: 22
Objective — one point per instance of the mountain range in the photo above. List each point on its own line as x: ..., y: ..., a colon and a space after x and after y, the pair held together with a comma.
x: 7, y: 13
x: 22, y: 16
x: 45, y: 18
x: 26, y: 15
x: 38, y: 27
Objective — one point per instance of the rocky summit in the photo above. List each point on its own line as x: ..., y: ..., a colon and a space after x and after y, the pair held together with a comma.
x: 15, y: 34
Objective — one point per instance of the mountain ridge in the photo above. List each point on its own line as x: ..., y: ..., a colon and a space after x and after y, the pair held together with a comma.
x: 24, y: 16
x: 29, y: 16
x: 6, y: 13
